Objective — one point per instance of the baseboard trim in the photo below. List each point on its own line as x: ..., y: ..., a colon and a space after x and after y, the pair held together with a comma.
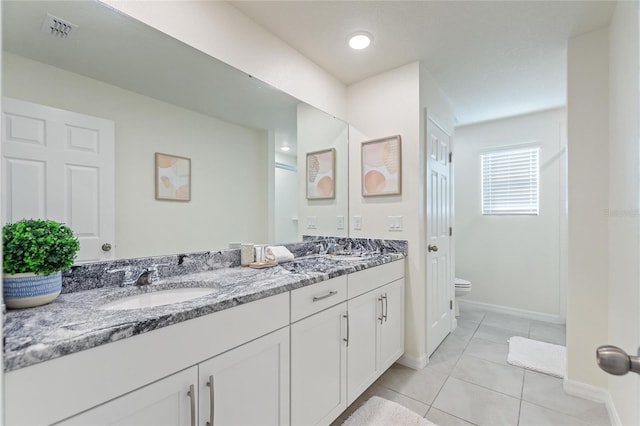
x: 417, y: 363
x: 593, y: 393
x: 538, y: 316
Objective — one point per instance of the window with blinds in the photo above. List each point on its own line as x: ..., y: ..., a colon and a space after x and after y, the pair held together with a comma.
x: 510, y: 182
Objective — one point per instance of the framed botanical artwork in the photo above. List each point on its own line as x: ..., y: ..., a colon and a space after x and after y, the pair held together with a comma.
x: 173, y: 177
x: 381, y: 167
x: 321, y: 166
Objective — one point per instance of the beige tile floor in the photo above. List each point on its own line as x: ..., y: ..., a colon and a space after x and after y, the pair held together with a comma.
x: 469, y: 382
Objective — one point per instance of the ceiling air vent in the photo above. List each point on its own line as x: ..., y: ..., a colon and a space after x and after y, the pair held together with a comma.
x: 57, y: 27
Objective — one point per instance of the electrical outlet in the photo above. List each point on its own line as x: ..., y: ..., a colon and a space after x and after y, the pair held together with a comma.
x: 312, y: 222
x: 339, y: 222
x: 357, y: 223
x: 395, y: 223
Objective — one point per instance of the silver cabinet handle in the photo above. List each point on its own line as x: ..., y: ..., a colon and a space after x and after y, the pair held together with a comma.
x: 331, y: 293
x: 386, y: 307
x: 211, y: 401
x: 432, y: 247
x: 347, y: 318
x: 192, y: 397
x: 106, y: 247
x: 381, y: 317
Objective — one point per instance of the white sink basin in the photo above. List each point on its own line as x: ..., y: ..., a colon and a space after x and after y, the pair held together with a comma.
x: 156, y: 298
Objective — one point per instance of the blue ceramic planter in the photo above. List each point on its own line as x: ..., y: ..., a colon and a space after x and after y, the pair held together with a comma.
x: 28, y: 290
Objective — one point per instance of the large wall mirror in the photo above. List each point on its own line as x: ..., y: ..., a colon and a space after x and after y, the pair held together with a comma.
x: 161, y: 96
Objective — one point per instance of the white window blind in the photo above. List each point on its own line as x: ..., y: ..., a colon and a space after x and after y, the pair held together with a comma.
x: 510, y: 182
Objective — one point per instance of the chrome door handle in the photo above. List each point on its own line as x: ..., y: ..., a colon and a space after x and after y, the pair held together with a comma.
x: 386, y: 307
x: 347, y: 318
x: 381, y: 317
x: 331, y: 293
x: 432, y: 247
x: 211, y: 401
x: 192, y: 398
x: 615, y: 361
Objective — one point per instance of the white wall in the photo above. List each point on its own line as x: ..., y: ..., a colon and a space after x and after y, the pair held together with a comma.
x: 318, y: 131
x: 220, y: 30
x: 624, y: 203
x: 512, y: 261
x: 387, y: 105
x: 145, y: 226
x: 588, y: 189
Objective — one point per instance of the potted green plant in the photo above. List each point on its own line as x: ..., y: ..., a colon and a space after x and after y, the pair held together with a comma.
x: 34, y: 252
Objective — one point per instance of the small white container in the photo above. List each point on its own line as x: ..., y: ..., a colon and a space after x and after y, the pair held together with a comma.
x: 246, y: 254
x: 261, y: 254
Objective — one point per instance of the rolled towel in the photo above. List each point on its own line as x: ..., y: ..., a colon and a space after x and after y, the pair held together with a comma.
x: 279, y: 253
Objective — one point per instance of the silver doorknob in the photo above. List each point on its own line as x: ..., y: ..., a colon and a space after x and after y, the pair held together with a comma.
x: 615, y: 361
x: 106, y: 247
x: 432, y: 248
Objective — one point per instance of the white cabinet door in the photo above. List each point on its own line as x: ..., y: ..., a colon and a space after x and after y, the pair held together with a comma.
x: 248, y: 385
x: 376, y: 338
x: 166, y: 402
x: 318, y: 367
x: 59, y: 165
x: 365, y: 314
x: 392, y: 326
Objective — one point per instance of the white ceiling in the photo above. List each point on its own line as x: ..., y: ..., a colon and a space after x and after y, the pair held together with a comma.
x: 492, y: 58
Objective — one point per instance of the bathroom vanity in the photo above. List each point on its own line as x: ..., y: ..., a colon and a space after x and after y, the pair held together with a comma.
x: 292, y: 344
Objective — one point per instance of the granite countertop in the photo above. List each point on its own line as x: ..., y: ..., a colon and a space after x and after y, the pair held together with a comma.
x: 73, y: 322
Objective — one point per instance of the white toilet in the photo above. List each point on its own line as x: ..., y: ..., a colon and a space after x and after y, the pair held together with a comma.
x: 462, y: 288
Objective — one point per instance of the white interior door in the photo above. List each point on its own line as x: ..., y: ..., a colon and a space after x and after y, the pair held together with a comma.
x: 59, y: 165
x: 286, y: 204
x: 438, y: 255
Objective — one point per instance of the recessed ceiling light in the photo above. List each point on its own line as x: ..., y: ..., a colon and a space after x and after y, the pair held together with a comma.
x: 285, y: 148
x: 360, y: 40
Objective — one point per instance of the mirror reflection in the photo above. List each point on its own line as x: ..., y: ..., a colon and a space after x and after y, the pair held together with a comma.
x: 85, y: 112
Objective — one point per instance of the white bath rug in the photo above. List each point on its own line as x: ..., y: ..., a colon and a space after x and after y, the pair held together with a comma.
x: 538, y: 356
x: 381, y: 412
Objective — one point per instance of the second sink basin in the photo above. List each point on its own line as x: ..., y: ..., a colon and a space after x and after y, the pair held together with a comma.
x: 157, y: 298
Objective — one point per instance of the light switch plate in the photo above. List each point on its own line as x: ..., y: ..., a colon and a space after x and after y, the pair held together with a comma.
x: 339, y: 222
x: 357, y: 223
x: 395, y: 223
x: 312, y: 222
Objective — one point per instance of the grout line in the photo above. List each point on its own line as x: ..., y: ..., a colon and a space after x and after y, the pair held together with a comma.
x: 559, y: 412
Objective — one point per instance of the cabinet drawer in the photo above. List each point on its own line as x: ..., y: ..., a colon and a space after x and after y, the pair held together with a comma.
x: 314, y: 298
x: 369, y: 279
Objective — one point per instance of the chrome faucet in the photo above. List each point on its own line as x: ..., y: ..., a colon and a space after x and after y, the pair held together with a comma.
x: 148, y: 276
x: 329, y: 249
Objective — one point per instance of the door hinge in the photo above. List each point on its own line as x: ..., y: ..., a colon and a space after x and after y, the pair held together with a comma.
x: 450, y: 304
x: 450, y: 231
x: 450, y: 156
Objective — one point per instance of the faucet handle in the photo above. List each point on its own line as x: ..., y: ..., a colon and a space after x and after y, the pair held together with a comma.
x: 127, y: 279
x: 150, y: 274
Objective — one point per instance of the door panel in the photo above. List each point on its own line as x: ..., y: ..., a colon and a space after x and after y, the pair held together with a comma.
x: 66, y: 160
x: 250, y: 383
x: 438, y: 258
x: 162, y: 403
x: 362, y: 352
x: 21, y: 174
x: 392, y: 329
x: 318, y: 367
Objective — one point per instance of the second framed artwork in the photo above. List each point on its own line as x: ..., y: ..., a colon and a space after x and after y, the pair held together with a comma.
x: 381, y: 167
x: 321, y: 166
x: 173, y: 177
